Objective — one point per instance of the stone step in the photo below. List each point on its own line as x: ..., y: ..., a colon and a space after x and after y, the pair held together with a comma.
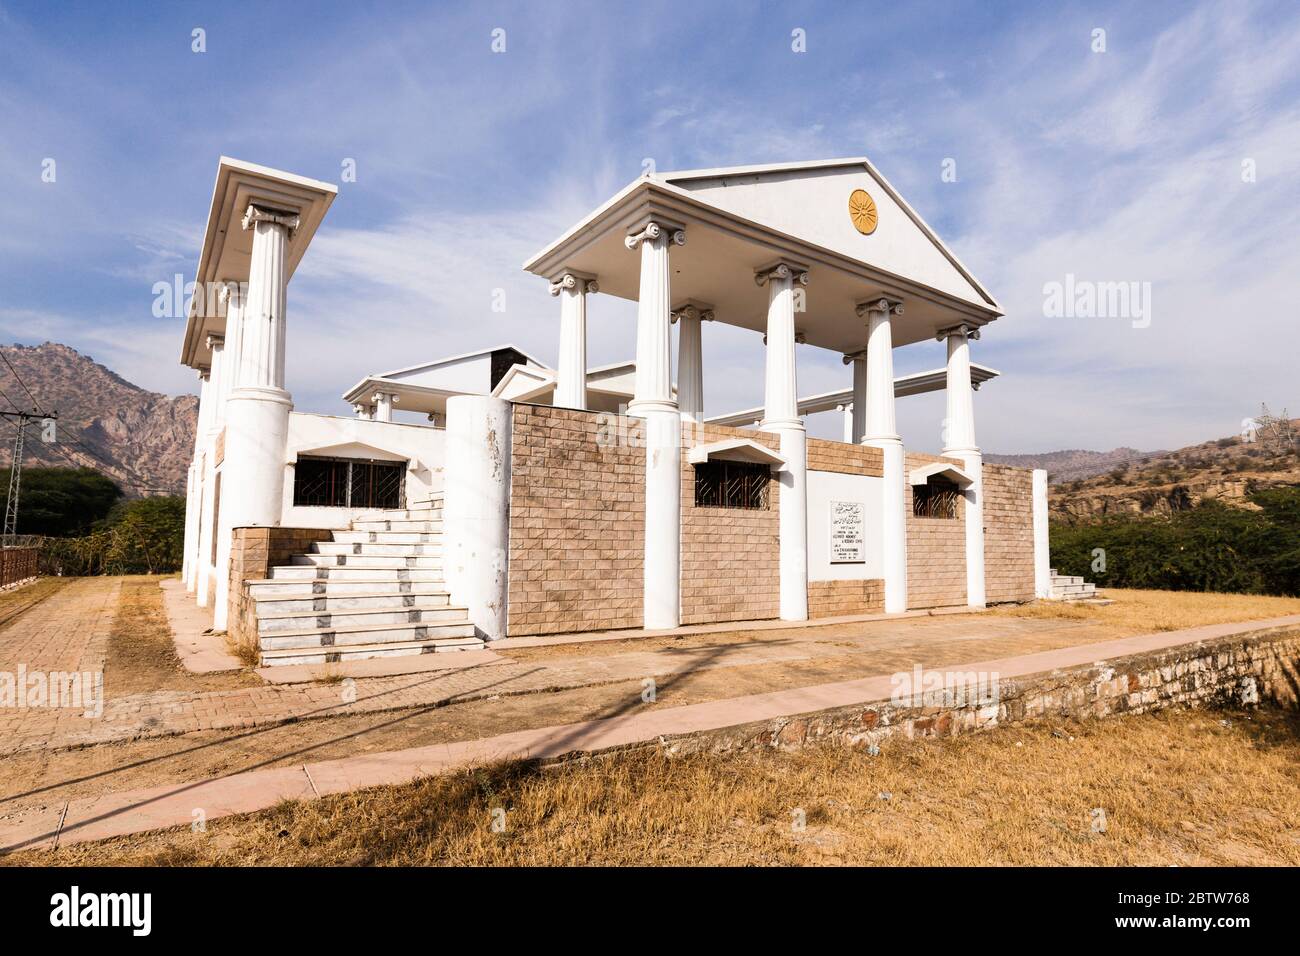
x: 331, y: 637
x: 358, y: 652
x: 305, y: 602
x: 380, y: 549
x: 398, y: 524
x: 355, y: 571
x: 427, y: 562
x: 270, y: 624
x: 1066, y: 579
x: 271, y: 588
x: 1073, y: 588
x: 384, y: 536
x: 400, y: 514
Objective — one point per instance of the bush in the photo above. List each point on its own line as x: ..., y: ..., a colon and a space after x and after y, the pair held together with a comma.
x: 1212, y: 547
x: 62, y: 502
x: 144, y: 536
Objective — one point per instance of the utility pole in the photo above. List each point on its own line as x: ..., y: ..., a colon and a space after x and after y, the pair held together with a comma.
x: 16, y: 472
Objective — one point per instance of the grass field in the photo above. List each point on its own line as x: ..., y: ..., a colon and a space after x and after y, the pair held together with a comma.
x: 1180, y: 787
x: 1142, y: 612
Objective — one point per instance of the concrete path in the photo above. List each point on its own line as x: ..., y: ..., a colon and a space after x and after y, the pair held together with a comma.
x: 175, y: 805
x: 200, y: 651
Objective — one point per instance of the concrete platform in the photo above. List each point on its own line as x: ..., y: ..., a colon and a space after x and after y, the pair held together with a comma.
x: 377, y: 667
x: 201, y: 651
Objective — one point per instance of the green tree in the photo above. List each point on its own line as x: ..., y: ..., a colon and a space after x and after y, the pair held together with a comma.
x: 61, y: 502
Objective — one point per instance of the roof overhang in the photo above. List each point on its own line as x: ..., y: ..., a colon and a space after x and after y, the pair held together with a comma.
x: 915, y: 384
x: 718, y: 263
x: 939, y: 469
x: 736, y: 449
x: 422, y: 399
x: 227, y: 246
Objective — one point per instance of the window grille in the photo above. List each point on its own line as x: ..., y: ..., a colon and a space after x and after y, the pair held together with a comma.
x: 937, y: 498
x: 348, y: 483
x: 731, y: 484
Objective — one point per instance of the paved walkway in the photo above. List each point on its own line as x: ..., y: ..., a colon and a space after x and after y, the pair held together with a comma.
x: 172, y: 805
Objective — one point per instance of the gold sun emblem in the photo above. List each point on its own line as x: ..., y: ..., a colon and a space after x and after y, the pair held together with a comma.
x: 862, y: 210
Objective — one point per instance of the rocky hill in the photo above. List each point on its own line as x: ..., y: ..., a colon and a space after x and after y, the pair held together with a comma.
x: 1226, y: 470
x: 140, y: 439
x: 1074, y: 463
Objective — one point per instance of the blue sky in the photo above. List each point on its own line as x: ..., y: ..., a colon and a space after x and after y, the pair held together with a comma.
x: 1123, y: 165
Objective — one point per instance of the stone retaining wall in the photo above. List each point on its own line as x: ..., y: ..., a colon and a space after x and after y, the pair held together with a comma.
x: 253, y: 552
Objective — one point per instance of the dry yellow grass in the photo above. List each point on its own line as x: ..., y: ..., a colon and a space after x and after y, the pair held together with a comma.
x: 1181, y: 787
x: 1146, y: 611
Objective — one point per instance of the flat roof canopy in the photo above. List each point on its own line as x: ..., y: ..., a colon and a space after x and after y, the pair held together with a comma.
x: 746, y: 218
x: 227, y: 246
x: 915, y: 384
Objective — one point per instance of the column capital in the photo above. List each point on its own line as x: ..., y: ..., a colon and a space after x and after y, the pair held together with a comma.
x: 392, y: 397
x: 232, y: 291
x: 204, y: 372
x: 969, y: 329
x: 692, y: 310
x: 859, y: 356
x: 216, y: 340
x: 580, y: 281
x: 881, y: 304
x: 279, y: 217
x: 782, y: 270
x: 653, y: 229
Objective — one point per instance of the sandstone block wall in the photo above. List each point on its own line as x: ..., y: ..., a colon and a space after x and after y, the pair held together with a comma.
x: 577, y: 524
x: 836, y: 598
x: 731, y: 557
x: 845, y: 458
x: 936, y: 549
x: 253, y: 552
x: 1008, y: 534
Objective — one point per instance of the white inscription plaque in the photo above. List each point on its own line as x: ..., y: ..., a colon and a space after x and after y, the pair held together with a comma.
x: 848, y: 532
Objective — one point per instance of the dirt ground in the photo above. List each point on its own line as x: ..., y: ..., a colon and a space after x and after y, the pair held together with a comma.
x: 1186, y: 787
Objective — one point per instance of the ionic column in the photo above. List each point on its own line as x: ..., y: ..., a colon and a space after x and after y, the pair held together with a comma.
x: 203, y: 581
x: 571, y: 369
x: 364, y: 412
x: 653, y: 401
x: 194, y: 508
x: 858, y: 427
x: 257, y: 411
x: 846, y: 410
x: 1042, y: 544
x: 880, y: 431
x: 960, y: 443
x: 690, y: 361
x: 232, y: 294
x: 781, y: 416
x: 383, y: 407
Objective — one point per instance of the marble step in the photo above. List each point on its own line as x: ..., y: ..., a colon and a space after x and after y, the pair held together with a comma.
x: 428, y: 562
x: 271, y: 624
x: 354, y: 571
x: 305, y: 602
x: 400, y: 514
x: 271, y: 588
x: 384, y: 536
x: 317, y: 637
x: 398, y: 524
x: 358, y: 652
x: 378, y: 548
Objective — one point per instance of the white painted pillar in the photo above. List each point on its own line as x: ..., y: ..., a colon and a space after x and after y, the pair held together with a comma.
x: 859, y: 362
x: 191, y: 530
x: 846, y: 410
x: 210, y: 511
x: 653, y: 401
x: 781, y: 416
x: 690, y: 361
x: 235, y: 297
x: 257, y: 411
x: 959, y: 442
x: 476, y: 506
x: 571, y: 369
x: 364, y: 412
x: 383, y: 407
x: 880, y: 431
x: 1042, y: 546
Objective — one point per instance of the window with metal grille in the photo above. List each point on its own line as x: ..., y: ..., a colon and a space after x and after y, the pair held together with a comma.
x: 731, y: 484
x: 937, y: 498
x: 348, y: 483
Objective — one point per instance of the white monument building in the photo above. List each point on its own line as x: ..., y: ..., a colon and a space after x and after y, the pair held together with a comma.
x: 534, y: 500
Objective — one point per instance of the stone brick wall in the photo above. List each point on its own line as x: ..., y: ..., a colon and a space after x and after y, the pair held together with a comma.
x: 577, y: 524
x: 845, y: 458
x: 1008, y: 534
x: 936, y: 549
x: 731, y: 557
x: 253, y: 552
x: 836, y: 598
x: 1232, y: 671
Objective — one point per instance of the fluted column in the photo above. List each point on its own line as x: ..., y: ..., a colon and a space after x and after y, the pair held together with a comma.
x: 781, y: 416
x: 960, y: 443
x: 690, y: 361
x: 383, y: 407
x: 858, y: 423
x: 571, y: 369
x: 232, y: 294
x: 880, y: 431
x: 257, y: 411
x: 653, y: 401
x: 194, y: 497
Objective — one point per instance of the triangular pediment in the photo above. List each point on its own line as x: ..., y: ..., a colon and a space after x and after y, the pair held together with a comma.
x: 812, y: 202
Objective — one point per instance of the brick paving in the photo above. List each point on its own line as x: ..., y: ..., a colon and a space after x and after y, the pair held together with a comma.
x: 70, y: 631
